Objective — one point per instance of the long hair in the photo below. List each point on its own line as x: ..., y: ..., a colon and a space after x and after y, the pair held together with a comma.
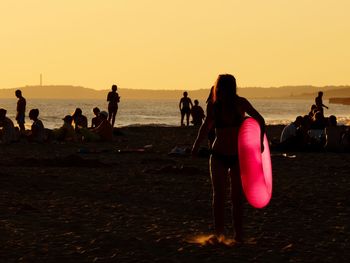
x: 225, y: 89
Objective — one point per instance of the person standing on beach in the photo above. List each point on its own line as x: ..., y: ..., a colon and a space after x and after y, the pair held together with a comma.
x: 113, y: 98
x: 319, y: 103
x: 185, y: 106
x: 21, y: 109
x: 226, y: 115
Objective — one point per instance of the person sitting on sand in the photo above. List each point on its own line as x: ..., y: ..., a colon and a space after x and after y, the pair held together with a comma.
x: 21, y: 109
x: 227, y: 115
x: 96, y: 121
x: 333, y: 135
x: 80, y: 121
x: 313, y: 109
x: 66, y: 132
x: 185, y: 106
x: 37, y: 132
x: 197, y: 113
x: 319, y: 102
x: 289, y: 132
x: 104, y: 132
x: 8, y: 131
x: 345, y: 140
x: 105, y: 129
x: 113, y: 98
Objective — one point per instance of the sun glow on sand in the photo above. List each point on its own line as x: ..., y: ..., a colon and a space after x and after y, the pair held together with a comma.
x: 205, y: 240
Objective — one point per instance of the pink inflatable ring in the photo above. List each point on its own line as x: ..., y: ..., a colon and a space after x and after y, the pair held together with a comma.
x: 255, y: 167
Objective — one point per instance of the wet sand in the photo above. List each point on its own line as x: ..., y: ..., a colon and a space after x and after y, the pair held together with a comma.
x: 92, y: 203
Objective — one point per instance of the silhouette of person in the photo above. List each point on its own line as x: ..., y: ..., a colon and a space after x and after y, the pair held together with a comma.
x: 319, y: 103
x: 37, y: 132
x: 95, y: 121
x: 105, y: 129
x: 80, y: 121
x: 313, y: 109
x: 8, y: 131
x: 226, y: 116
x: 21, y: 109
x: 113, y: 98
x: 104, y: 132
x: 333, y: 135
x: 290, y: 131
x: 197, y: 113
x: 185, y: 106
x: 66, y: 132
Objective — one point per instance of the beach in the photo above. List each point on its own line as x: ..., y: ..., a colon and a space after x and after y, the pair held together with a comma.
x: 130, y: 201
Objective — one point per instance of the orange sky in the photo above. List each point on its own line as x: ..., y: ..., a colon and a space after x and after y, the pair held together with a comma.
x: 178, y: 44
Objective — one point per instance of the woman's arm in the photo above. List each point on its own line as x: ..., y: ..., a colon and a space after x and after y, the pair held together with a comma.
x: 202, y: 133
x: 248, y: 108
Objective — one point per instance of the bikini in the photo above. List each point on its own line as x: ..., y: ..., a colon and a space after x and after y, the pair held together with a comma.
x: 228, y: 161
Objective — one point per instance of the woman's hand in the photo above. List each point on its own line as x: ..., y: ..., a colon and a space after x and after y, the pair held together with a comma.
x: 262, y: 148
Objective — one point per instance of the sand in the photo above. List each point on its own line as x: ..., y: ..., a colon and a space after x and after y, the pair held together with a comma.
x: 91, y: 203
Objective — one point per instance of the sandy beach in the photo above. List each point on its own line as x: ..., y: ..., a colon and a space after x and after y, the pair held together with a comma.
x: 131, y: 202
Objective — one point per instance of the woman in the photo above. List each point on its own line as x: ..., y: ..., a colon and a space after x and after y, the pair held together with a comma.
x: 113, y: 99
x: 226, y: 115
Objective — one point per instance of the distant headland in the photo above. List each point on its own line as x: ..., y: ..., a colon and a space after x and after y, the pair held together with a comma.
x: 78, y: 92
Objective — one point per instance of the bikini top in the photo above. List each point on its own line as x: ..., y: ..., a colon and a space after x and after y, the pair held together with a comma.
x: 227, y: 117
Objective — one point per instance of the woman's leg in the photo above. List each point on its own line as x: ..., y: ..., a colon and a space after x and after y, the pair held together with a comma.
x: 113, y: 117
x: 188, y: 118
x: 218, y: 179
x: 237, y: 202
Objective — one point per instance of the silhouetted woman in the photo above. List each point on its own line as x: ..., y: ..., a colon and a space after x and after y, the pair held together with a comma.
x: 113, y: 100
x: 226, y: 115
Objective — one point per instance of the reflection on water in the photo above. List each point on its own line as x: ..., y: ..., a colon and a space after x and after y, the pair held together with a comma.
x: 165, y: 112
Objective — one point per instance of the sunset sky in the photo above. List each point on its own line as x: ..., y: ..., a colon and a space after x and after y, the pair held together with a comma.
x: 182, y: 44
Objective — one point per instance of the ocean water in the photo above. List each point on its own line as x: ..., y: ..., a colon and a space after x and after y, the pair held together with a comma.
x: 164, y: 112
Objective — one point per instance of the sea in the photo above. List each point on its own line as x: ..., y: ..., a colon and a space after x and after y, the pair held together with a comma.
x: 164, y: 112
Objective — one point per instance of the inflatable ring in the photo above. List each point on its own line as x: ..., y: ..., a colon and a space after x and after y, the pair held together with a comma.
x: 255, y: 167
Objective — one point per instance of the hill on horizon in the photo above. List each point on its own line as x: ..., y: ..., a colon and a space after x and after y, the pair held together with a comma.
x: 78, y: 92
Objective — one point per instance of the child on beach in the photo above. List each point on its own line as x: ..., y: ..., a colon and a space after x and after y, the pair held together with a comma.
x: 319, y: 103
x: 185, y: 106
x: 21, y: 109
x: 226, y: 115
x: 113, y: 98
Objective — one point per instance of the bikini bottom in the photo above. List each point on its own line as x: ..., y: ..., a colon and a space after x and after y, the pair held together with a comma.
x: 229, y: 161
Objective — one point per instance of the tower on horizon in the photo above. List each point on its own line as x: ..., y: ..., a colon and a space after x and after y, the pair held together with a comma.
x: 41, y: 80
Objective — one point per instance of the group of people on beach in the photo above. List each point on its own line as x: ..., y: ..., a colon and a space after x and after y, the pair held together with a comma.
x: 314, y: 131
x: 225, y: 113
x: 74, y: 127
